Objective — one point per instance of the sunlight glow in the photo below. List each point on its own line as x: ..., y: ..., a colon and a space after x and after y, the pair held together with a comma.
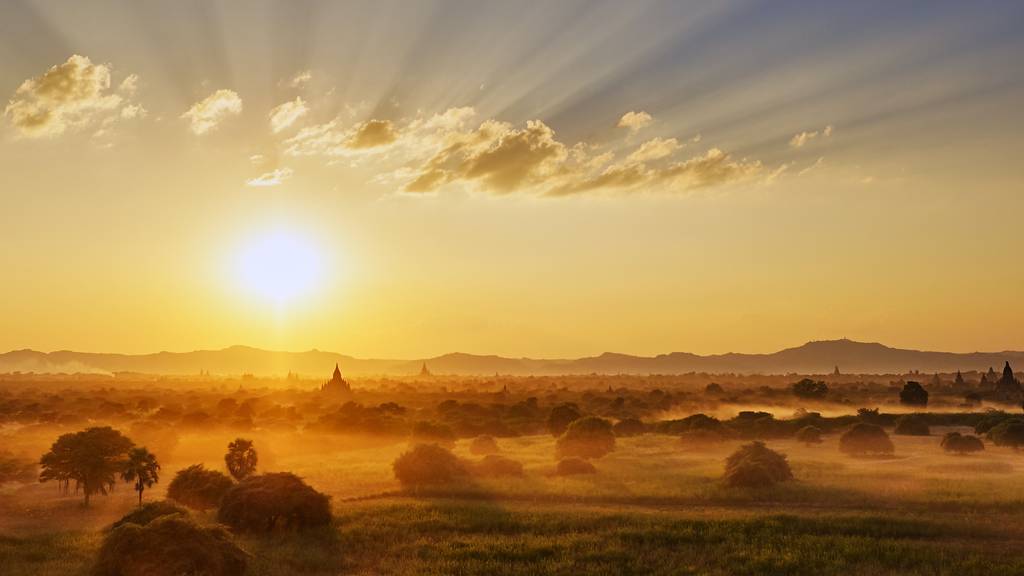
x: 279, y: 267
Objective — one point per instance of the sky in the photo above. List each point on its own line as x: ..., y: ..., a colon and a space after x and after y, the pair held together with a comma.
x: 544, y: 179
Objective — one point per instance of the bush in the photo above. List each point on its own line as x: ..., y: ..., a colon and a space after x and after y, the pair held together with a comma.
x: 272, y: 501
x: 427, y: 464
x: 962, y: 443
x: 808, y: 435
x: 150, y: 512
x: 494, y: 465
x: 808, y: 388
x: 913, y: 394
x: 1008, y: 433
x: 199, y: 488
x: 912, y: 425
x: 483, y: 445
x: 560, y: 417
x: 864, y: 438
x: 589, y: 437
x: 629, y: 427
x: 433, y: 433
x: 574, y: 466
x: 704, y: 437
x: 755, y: 465
x: 170, y: 545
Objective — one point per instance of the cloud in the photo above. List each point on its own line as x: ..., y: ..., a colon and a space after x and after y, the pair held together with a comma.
x: 68, y: 96
x: 817, y: 163
x: 272, y: 178
x: 803, y: 138
x: 284, y: 115
x: 300, y: 79
x: 331, y: 139
x: 654, y: 149
x: 208, y: 113
x: 634, y: 121
x: 714, y: 168
x: 371, y: 134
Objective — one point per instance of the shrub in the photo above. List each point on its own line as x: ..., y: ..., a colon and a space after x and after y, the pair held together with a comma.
x: 808, y: 388
x: 483, y: 445
x: 962, y: 443
x: 809, y: 435
x: 1008, y: 433
x: 199, y: 488
x: 864, y: 438
x: 589, y: 437
x: 912, y: 425
x: 171, y: 545
x: 703, y: 437
x: 150, y: 512
x: 629, y: 427
x: 913, y: 394
x: 427, y: 464
x: 574, y: 466
x: 272, y: 501
x: 755, y: 465
x: 714, y: 389
x: 561, y: 417
x: 494, y: 465
x: 433, y: 433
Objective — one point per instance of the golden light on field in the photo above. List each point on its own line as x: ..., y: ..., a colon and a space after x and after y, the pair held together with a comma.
x: 280, y: 266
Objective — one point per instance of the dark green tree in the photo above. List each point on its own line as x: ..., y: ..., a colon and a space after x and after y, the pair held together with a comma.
x: 241, y: 458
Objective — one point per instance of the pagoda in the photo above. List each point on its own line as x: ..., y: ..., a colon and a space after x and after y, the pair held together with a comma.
x: 424, y: 371
x: 336, y: 386
x: 1007, y: 386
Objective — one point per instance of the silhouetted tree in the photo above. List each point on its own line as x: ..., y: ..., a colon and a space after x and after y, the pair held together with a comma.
x: 141, y: 468
x: 864, y: 438
x: 588, y: 437
x: 629, y: 427
x: 1008, y: 433
x: 808, y: 388
x: 755, y: 465
x: 913, y: 394
x: 560, y: 417
x: 271, y: 501
x: 809, y: 435
x: 169, y: 545
x: 962, y: 443
x: 427, y: 464
x: 199, y: 488
x: 91, y: 458
x: 241, y: 458
x: 912, y: 425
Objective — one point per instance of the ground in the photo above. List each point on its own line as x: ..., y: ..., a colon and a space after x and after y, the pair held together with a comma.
x: 654, y: 507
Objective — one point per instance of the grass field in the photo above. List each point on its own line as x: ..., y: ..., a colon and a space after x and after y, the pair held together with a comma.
x: 653, y: 508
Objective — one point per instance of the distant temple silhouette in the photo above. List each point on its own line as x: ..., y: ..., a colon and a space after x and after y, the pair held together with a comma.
x: 1007, y: 386
x: 336, y: 386
x: 425, y: 372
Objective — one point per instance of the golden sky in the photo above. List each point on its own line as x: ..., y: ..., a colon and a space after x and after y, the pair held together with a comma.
x: 549, y: 179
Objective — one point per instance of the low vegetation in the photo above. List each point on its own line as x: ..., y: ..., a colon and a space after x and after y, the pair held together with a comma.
x: 755, y: 465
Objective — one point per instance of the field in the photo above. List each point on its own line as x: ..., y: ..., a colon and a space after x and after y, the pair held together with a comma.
x: 655, y: 506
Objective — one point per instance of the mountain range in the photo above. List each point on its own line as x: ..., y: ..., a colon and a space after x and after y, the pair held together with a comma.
x: 811, y: 358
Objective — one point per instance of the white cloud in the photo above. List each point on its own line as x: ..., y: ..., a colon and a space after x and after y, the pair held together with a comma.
x: 272, y: 178
x: 804, y: 138
x: 634, y: 121
x: 284, y: 115
x: 209, y: 112
x: 300, y: 79
x: 68, y: 96
x: 817, y: 163
x: 654, y: 149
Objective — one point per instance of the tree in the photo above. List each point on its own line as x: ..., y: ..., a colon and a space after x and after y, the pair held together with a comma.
x: 1008, y: 433
x: 199, y: 488
x: 912, y: 425
x: 808, y: 388
x: 913, y: 394
x: 588, y: 437
x: 863, y: 439
x: 141, y: 468
x: 755, y: 465
x: 629, y: 427
x: 92, y: 458
x: 962, y: 443
x: 241, y: 458
x: 809, y: 435
x: 270, y: 501
x: 560, y: 417
x: 427, y: 464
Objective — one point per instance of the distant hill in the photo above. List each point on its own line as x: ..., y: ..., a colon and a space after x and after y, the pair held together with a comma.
x: 811, y: 358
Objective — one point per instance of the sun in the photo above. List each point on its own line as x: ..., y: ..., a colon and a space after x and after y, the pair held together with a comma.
x: 279, y: 266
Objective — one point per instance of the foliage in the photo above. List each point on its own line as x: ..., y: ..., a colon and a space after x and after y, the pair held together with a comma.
x: 151, y: 511
x: 808, y: 388
x: 433, y: 433
x: 704, y: 437
x: 142, y: 469
x: 863, y: 439
x: 755, y: 465
x: 268, y: 502
x: 495, y: 465
x: 171, y: 545
x: 1008, y: 433
x: 912, y: 425
x: 561, y: 417
x: 241, y: 458
x: 483, y: 445
x: 199, y: 488
x: 913, y: 394
x: 588, y: 437
x: 962, y: 443
x: 809, y: 435
x: 629, y: 427
x: 91, y: 458
x: 574, y: 466
x: 427, y: 464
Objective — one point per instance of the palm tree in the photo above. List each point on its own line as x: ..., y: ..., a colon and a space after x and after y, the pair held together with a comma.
x: 241, y: 458
x: 141, y: 468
